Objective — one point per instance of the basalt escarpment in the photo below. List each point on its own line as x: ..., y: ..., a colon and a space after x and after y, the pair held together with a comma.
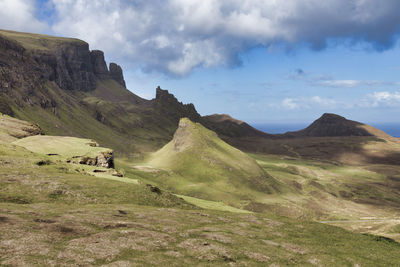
x: 69, y: 63
x: 168, y: 104
x: 69, y: 90
x: 117, y: 74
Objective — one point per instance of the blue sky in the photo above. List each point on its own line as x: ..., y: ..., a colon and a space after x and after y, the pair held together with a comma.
x: 259, y: 61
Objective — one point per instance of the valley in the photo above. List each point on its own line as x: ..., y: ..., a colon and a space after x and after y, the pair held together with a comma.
x: 93, y: 175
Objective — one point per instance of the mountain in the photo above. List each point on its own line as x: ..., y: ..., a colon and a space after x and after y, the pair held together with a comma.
x: 330, y: 125
x: 331, y: 137
x: 207, y: 167
x: 67, y: 89
x: 225, y: 125
x: 197, y: 200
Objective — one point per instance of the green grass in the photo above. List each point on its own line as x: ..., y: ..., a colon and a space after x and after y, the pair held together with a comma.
x: 57, y: 212
x: 61, y: 145
x: 130, y: 234
x: 22, y: 180
x: 11, y: 129
x: 199, y: 164
x: 33, y: 41
x: 211, y: 205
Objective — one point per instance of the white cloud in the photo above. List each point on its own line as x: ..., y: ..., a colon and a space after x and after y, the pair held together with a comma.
x: 310, y: 102
x: 176, y: 36
x: 341, y: 83
x: 384, y: 98
x: 354, y: 83
x: 19, y: 15
x: 290, y: 103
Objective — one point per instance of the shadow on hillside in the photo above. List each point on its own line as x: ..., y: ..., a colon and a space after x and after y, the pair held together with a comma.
x: 353, y: 150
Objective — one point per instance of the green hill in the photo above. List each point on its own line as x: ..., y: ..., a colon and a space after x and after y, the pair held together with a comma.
x: 57, y: 214
x: 55, y: 209
x: 67, y: 89
x: 202, y: 165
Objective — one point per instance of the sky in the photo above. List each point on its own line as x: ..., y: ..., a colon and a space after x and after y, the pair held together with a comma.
x: 261, y: 61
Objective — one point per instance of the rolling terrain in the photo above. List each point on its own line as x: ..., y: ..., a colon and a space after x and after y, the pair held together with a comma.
x: 66, y: 89
x: 56, y: 214
x: 92, y: 174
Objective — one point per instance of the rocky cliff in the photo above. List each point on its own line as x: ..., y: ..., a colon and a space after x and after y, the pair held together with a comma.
x: 69, y: 63
x: 168, y: 105
x: 116, y: 74
x: 69, y: 90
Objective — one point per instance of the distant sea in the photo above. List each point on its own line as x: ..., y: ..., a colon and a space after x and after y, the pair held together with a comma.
x: 392, y: 129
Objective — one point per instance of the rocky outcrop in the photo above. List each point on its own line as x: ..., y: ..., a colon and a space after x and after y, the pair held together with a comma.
x: 74, y: 70
x: 104, y: 159
x: 99, y: 64
x: 117, y: 74
x: 70, y: 64
x: 169, y: 105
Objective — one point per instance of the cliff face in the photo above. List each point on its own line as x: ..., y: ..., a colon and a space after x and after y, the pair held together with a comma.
x: 116, y: 74
x: 68, y: 90
x: 70, y: 63
x: 168, y: 105
x: 75, y: 67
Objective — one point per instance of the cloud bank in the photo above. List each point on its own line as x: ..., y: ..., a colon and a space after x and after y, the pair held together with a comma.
x: 19, y: 15
x: 177, y: 36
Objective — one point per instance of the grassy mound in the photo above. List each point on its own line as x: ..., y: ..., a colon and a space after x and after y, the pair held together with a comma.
x: 200, y: 164
x: 62, y: 145
x: 70, y: 149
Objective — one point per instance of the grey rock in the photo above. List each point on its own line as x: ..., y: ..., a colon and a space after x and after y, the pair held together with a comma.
x: 117, y: 74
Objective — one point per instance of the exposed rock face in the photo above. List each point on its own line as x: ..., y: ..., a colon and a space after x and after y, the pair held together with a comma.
x: 168, y: 105
x: 116, y: 74
x: 104, y: 159
x: 99, y: 64
x: 70, y: 66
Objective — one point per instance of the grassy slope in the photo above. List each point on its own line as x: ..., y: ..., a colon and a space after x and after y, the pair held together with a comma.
x: 131, y: 123
x: 52, y: 215
x: 53, y: 235
x: 199, y: 164
x: 11, y: 129
x: 56, y: 214
x: 307, y: 188
x: 61, y: 145
x: 33, y: 41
